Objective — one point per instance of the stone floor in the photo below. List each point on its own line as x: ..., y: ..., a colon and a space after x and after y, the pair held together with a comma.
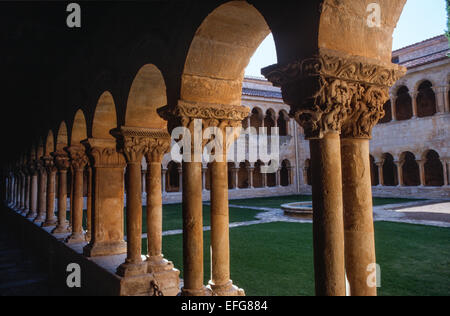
x: 20, y: 275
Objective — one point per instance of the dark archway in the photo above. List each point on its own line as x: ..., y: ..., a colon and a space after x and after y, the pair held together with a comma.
x: 388, y: 112
x: 308, y: 172
x: 374, y: 172
x: 410, y: 170
x: 243, y: 175
x: 173, y: 177
x: 434, y: 171
x: 269, y: 121
x: 285, y: 173
x: 390, y: 175
x: 257, y: 175
x: 283, y: 124
x: 426, y: 100
x: 256, y: 119
x: 403, y: 105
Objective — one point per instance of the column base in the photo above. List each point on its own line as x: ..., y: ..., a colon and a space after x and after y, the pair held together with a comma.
x: 76, y: 238
x: 50, y: 222
x: 31, y: 215
x: 165, y: 275
x: 99, y: 249
x: 39, y: 219
x: 62, y: 229
x: 128, y: 269
x: 24, y: 212
x: 225, y: 290
x: 204, y: 291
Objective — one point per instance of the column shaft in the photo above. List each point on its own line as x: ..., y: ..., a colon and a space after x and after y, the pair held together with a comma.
x: 51, y: 218
x: 358, y: 218
x: 62, y: 226
x: 77, y: 208
x: 34, y: 196
x: 41, y: 198
x: 89, y: 206
x: 328, y: 226
x: 192, y: 229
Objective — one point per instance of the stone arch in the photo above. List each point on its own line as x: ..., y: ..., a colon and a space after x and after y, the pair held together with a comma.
x: 390, y: 175
x: 62, y: 137
x: 426, y: 99
x: 403, y: 104
x: 257, y: 175
x: 147, y: 94
x: 49, y: 143
x: 374, y: 172
x: 285, y: 173
x: 434, y: 171
x: 283, y: 123
x: 410, y: 169
x: 79, y: 128
x: 173, y: 177
x: 105, y: 118
x: 219, y: 53
x: 243, y: 175
x: 271, y: 178
x: 387, y: 107
x: 256, y: 118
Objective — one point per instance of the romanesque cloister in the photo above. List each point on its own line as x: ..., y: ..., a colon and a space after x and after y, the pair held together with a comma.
x: 115, y: 100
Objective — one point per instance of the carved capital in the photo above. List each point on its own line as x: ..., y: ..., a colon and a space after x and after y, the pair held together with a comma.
x: 78, y: 157
x: 184, y: 113
x: 32, y: 170
x: 104, y: 154
x: 157, y: 148
x: 335, y: 92
x: 49, y: 164
x: 62, y: 160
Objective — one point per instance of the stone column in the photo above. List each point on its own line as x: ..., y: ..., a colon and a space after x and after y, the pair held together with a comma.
x: 78, y: 161
x: 107, y: 198
x: 62, y: 163
x: 163, y: 179
x: 89, y: 206
x: 278, y: 178
x: 162, y: 269
x: 446, y: 101
x: 394, y: 108
x: 22, y: 191
x: 414, y: 104
x: 399, y: 165
x: 250, y: 177
x: 143, y: 177
x: 236, y: 178
x: 42, y: 194
x: 27, y: 193
x: 34, y: 191
x: 358, y: 218
x: 180, y: 175
x: 204, y: 171
x: 380, y: 173
x: 327, y: 100
x: 421, y: 164
x: 133, y: 148
x: 444, y: 166
x: 50, y: 167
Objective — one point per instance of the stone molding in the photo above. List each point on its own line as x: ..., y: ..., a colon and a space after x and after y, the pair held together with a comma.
x: 103, y: 153
x: 62, y: 160
x: 335, y: 93
x: 78, y: 157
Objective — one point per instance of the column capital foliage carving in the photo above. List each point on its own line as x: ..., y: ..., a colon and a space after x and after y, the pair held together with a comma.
x: 49, y: 164
x: 212, y: 115
x: 78, y: 157
x: 335, y: 92
x: 62, y: 160
x: 136, y: 142
x: 103, y: 153
x: 32, y: 169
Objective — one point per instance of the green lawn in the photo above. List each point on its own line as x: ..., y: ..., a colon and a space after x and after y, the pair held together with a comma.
x: 277, y: 258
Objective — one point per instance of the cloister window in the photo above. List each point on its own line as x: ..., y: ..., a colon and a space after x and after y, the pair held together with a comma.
x: 257, y: 175
x: 256, y: 119
x: 410, y: 168
x: 269, y: 121
x: 434, y: 172
x: 389, y: 171
x: 243, y: 175
x: 272, y: 178
x: 403, y: 104
x: 426, y: 100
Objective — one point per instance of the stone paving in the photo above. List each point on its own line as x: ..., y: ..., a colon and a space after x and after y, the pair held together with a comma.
x: 429, y: 213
